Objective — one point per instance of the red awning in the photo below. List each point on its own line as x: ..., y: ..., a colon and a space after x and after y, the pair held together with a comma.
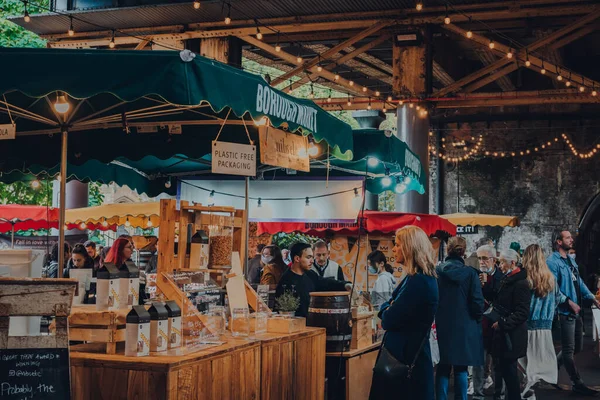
x: 27, y: 217
x: 375, y: 222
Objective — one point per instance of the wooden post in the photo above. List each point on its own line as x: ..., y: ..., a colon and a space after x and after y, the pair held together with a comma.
x: 63, y: 203
x: 166, y: 236
x: 409, y: 69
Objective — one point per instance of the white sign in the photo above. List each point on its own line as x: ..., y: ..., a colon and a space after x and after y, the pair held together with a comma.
x: 233, y: 159
x: 8, y: 131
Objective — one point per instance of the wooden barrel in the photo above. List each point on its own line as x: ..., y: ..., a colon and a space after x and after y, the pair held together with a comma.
x: 331, y: 310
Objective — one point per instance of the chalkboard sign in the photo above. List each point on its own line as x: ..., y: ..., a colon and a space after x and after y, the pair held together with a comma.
x: 34, y: 374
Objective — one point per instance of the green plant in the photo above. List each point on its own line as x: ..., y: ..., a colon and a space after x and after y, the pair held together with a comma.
x: 285, y: 240
x: 95, y: 196
x: 287, y: 302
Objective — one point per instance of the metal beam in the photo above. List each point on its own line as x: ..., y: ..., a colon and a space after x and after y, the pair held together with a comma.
x: 333, y: 51
x: 501, y: 50
x: 345, y: 58
x: 292, y: 60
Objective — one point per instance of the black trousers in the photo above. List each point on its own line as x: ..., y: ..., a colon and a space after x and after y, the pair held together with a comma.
x: 506, y: 369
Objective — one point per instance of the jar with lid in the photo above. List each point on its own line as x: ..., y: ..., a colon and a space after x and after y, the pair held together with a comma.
x: 220, y: 233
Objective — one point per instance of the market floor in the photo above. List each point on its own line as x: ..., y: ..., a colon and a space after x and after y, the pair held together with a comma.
x: 588, y: 363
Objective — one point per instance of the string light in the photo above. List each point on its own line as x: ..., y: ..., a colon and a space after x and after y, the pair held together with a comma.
x: 228, y: 17
x: 351, y: 83
x: 307, y: 202
x: 259, y: 203
x: 349, y: 101
x: 71, y: 30
x: 61, y: 105
x: 196, y: 4
x: 372, y: 162
x: 277, y: 48
x: 36, y: 184
x: 390, y: 99
x: 212, y: 194
x: 543, y: 71
x: 105, y: 223
x: 299, y: 59
x: 492, y: 45
x: 469, y: 34
x: 377, y: 93
x: 568, y: 82
x: 369, y: 106
x: 26, y: 16
x: 329, y: 98
x: 447, y: 19
x: 364, y: 89
x: 127, y: 223
x: 528, y: 63
x: 259, y: 35
x: 336, y: 77
x: 509, y: 54
x: 149, y: 224
x: 319, y: 68
x: 111, y: 44
x: 168, y: 183
x: 419, y: 6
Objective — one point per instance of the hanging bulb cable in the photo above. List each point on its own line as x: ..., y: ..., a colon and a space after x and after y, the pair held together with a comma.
x: 568, y: 83
x: 469, y: 32
x: 543, y: 70
x: 559, y: 77
x: 291, y: 87
x: 369, y: 106
x: 349, y: 100
x: 329, y: 98
x: 527, y: 62
x: 259, y: 35
x: 26, y: 16
x: 509, y: 54
x: 111, y: 44
x: 228, y: 17
x: 447, y: 19
x: 594, y: 92
x: 307, y: 202
x: 71, y: 30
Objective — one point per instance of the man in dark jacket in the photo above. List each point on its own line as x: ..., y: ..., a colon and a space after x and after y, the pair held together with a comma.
x: 254, y: 266
x: 490, y: 277
x: 458, y: 320
x: 509, y: 314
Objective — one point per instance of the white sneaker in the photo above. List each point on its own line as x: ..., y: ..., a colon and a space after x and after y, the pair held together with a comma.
x: 488, y: 383
x: 470, y: 391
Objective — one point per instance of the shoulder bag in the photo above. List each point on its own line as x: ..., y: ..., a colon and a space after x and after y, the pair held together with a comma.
x: 389, y: 374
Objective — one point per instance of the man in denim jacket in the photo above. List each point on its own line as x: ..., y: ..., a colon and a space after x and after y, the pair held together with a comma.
x: 572, y: 286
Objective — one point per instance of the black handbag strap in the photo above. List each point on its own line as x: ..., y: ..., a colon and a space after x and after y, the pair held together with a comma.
x: 414, y: 361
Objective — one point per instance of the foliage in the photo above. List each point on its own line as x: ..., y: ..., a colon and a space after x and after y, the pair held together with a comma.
x: 24, y: 193
x: 286, y: 240
x: 303, y: 92
x: 11, y: 34
x: 95, y: 196
x: 287, y: 302
x: 387, y: 201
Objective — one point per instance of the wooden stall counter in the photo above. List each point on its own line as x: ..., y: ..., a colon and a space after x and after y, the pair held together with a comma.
x: 267, y: 366
x: 349, y: 373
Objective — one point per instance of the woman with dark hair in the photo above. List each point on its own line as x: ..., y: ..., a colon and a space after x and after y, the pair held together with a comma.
x: 51, y: 269
x: 274, y: 265
x: 79, y: 259
x: 385, y: 283
x: 121, y: 251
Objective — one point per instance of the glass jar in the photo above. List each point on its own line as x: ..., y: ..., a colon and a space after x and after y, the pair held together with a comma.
x: 221, y: 240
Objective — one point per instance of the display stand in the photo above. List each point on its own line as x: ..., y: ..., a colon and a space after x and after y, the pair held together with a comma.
x: 352, y: 379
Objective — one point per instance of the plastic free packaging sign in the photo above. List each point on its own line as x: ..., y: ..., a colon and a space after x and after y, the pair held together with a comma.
x: 233, y: 159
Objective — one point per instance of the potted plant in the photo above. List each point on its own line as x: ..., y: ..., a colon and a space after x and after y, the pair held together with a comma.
x: 287, y: 303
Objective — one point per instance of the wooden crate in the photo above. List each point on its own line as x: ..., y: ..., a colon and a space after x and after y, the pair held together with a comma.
x: 104, y: 327
x: 362, y: 331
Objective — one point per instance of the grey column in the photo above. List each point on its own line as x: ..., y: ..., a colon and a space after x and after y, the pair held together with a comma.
x: 414, y: 131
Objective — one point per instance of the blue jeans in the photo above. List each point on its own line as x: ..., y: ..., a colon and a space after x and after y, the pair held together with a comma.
x: 442, y: 380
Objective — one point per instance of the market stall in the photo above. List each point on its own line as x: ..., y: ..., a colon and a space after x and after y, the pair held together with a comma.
x: 15, y: 217
x: 109, y: 216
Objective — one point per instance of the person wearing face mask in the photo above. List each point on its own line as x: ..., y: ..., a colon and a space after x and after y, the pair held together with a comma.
x: 508, y: 314
x: 274, y: 267
x: 385, y: 283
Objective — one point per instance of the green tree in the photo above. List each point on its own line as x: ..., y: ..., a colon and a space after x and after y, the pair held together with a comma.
x: 95, y: 196
x: 13, y: 35
x: 27, y: 193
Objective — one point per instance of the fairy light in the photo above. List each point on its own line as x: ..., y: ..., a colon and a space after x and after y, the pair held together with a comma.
x: 469, y: 34
x: 36, y: 184
x: 259, y: 34
x: 543, y: 70
x: 364, y: 89
x: 509, y: 55
x: 319, y: 68
x: 377, y: 93
x: 390, y: 99
x: 299, y: 59
x: 419, y: 6
x: 447, y: 19
x: 351, y: 83
x: 336, y: 77
x: 491, y: 45
x: 111, y: 44
x: 26, y: 16
x: 71, y: 31
x: 197, y: 4
x: 228, y: 17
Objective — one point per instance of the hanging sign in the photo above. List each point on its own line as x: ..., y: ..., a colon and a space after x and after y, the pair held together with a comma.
x: 233, y: 159
x: 283, y: 149
x: 8, y: 131
x: 467, y: 230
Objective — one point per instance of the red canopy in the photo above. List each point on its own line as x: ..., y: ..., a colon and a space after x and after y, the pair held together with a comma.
x: 374, y: 222
x: 27, y: 217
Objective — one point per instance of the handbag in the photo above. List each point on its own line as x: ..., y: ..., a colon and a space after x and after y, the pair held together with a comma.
x: 389, y: 373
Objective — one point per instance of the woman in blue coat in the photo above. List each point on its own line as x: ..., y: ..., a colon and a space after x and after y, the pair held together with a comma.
x: 458, y: 321
x: 408, y: 316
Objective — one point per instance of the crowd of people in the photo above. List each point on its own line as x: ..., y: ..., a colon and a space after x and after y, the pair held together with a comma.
x: 496, y: 317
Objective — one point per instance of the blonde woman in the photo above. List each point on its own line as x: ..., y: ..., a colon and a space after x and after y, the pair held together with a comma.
x: 540, y: 363
x: 408, y: 316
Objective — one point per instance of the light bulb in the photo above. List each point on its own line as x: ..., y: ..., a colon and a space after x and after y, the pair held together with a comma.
x: 313, y: 150
x: 594, y: 93
x: 419, y: 6
x: 364, y: 89
x: 196, y: 4
x: 259, y: 35
x: 390, y: 98
x: 528, y: 63
x: 127, y: 223
x: 277, y: 48
x: 351, y: 83
x: 372, y: 162
x: 384, y: 110
x: 149, y: 223
x: 26, y: 16
x: 35, y: 184
x: 227, y: 20
x: 386, y: 181
x: 349, y: 103
x: 168, y: 183
x: 61, y: 105
x: 212, y: 194
x: 329, y: 99
x: 319, y: 68
x: 568, y: 83
x: 71, y: 29
x: 581, y: 89
x: 560, y: 78
x: 377, y: 93
x: 112, y: 43
x: 469, y: 34
x: 509, y: 54
x: 299, y: 59
x: 411, y: 105
x: 336, y: 77
x: 82, y: 226
x: 261, y: 122
x: 105, y: 223
x: 307, y: 202
x: 492, y: 45
x: 369, y: 107
x: 543, y: 71
x: 447, y: 20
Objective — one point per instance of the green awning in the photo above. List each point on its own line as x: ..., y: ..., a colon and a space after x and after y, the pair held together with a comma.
x: 132, y: 90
